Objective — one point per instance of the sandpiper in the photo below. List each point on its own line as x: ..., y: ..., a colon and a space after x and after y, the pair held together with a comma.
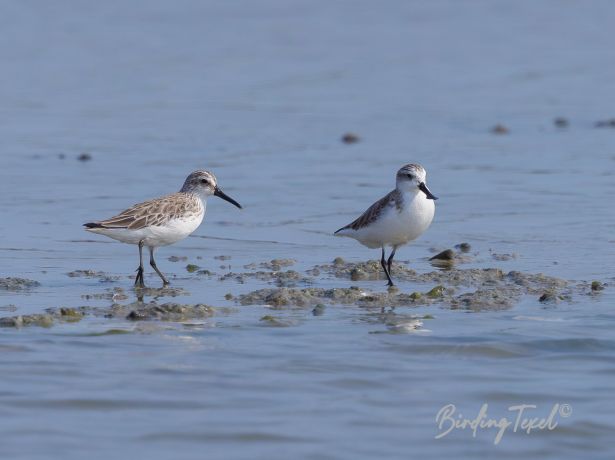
x: 162, y: 221
x: 396, y: 219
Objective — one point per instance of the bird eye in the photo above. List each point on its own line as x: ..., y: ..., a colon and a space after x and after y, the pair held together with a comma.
x: 204, y: 181
x: 410, y: 176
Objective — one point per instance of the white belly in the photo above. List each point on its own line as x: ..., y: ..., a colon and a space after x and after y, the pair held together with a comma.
x: 155, y: 236
x: 397, y: 227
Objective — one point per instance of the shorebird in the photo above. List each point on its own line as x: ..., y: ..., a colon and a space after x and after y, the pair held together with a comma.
x: 162, y: 221
x: 396, y: 219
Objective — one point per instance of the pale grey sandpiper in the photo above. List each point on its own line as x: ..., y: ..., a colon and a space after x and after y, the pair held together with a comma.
x: 162, y: 221
x: 396, y: 219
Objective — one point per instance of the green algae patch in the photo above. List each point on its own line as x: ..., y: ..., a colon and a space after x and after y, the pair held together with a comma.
x: 597, y: 286
x: 274, y: 321
x: 435, y: 292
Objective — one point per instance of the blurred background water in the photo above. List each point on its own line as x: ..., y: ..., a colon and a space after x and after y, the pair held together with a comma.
x: 260, y: 93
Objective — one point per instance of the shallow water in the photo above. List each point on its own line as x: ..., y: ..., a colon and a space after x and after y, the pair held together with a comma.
x: 261, y: 95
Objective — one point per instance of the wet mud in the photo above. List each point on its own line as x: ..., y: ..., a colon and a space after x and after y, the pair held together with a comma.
x: 472, y: 289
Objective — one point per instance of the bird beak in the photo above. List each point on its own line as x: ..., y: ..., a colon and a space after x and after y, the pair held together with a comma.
x: 425, y: 190
x: 225, y: 197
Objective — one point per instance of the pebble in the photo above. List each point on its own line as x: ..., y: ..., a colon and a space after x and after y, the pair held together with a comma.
x: 350, y: 138
x: 499, y: 129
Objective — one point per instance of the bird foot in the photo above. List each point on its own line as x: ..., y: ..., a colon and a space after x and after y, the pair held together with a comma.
x: 139, y: 282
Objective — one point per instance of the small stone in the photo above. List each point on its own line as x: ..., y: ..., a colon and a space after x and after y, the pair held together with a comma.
x: 229, y: 296
x: 356, y: 274
x: 177, y: 258
x: 605, y: 123
x: 318, y: 310
x: 339, y: 261
x: 84, y: 157
x: 560, y: 122
x: 191, y: 268
x: 597, y: 286
x: 499, y: 129
x: 464, y: 247
x: 42, y: 320
x: 548, y: 296
x: 350, y: 138
x: 12, y: 321
x: 65, y: 311
x: 448, y: 254
x: 136, y: 316
x: 278, y: 298
x: 416, y: 296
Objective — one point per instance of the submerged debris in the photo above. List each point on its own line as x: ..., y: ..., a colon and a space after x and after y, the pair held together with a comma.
x: 47, y: 319
x: 17, y: 284
x: 487, y: 299
x: 503, y: 257
x: 115, y: 294
x: 286, y: 278
x: 274, y: 321
x: 164, y: 312
x: 274, y: 264
x: 102, y: 276
x: 157, y: 293
x: 42, y: 320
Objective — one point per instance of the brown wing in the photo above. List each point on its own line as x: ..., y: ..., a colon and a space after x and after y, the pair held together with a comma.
x: 372, y: 213
x: 153, y: 212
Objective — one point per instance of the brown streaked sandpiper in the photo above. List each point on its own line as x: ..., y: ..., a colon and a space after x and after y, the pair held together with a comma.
x: 162, y: 221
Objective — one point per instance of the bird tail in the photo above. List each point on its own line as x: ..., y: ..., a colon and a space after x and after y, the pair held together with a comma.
x: 91, y: 225
x: 344, y: 231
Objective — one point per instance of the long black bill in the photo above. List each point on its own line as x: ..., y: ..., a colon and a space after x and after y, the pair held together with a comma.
x: 426, y: 191
x: 225, y: 197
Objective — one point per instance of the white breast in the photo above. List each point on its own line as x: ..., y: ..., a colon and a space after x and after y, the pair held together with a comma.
x: 396, y: 227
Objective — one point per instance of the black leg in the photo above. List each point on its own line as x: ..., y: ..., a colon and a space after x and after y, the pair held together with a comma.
x: 390, y: 260
x: 139, y: 278
x: 152, y: 262
x: 384, y: 267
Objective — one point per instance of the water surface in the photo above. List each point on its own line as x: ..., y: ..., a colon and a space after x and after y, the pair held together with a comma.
x: 261, y: 94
